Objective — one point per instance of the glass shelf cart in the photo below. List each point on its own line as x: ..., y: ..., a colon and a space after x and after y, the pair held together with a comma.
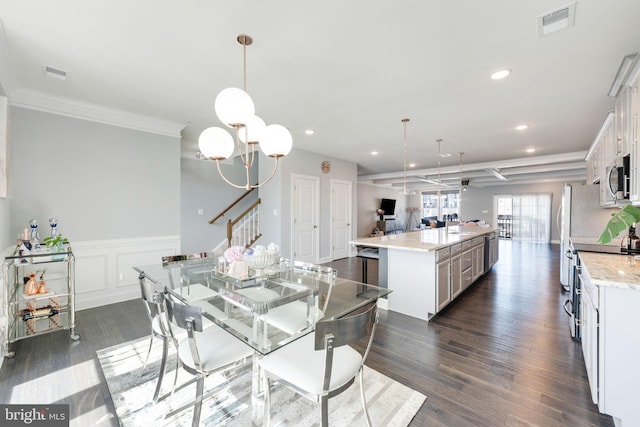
x: 50, y: 310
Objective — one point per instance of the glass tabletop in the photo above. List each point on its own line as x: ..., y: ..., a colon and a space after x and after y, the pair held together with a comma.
x: 270, y: 307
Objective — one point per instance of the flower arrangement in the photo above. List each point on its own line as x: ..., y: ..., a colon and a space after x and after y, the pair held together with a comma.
x: 234, y: 253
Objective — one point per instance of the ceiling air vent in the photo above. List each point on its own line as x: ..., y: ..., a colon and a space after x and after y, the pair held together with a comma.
x: 556, y: 20
x: 55, y: 73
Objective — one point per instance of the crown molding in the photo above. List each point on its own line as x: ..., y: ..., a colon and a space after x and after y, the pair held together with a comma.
x: 41, y: 101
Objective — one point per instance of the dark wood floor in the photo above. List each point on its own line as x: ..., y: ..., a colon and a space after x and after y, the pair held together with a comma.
x: 501, y: 355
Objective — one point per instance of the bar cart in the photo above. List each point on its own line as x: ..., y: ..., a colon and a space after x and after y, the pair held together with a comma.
x: 49, y: 309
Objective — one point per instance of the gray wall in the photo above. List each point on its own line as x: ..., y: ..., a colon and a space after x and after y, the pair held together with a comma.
x: 476, y: 200
x: 369, y: 200
x: 100, y: 181
x: 276, y: 226
x: 203, y: 188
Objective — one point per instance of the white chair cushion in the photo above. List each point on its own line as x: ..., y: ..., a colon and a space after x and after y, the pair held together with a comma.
x: 259, y: 293
x: 155, y: 326
x: 292, y: 317
x: 195, y: 291
x: 216, y: 348
x: 299, y: 364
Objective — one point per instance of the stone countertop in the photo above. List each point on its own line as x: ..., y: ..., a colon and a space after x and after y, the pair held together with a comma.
x: 427, y: 240
x: 618, y: 271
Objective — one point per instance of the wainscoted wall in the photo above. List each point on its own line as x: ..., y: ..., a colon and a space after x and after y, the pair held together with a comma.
x: 104, y: 268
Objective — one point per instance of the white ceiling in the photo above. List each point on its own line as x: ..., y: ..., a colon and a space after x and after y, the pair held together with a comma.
x: 350, y: 70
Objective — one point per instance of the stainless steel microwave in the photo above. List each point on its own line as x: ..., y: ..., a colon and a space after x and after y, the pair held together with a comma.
x: 618, y: 178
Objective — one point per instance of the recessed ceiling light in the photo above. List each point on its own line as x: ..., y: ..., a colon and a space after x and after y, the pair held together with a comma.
x: 445, y: 154
x: 412, y: 165
x: 309, y: 131
x: 531, y: 150
x: 522, y: 127
x: 374, y: 153
x: 500, y: 74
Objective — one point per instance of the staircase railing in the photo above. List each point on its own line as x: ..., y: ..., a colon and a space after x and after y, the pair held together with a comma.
x: 245, y: 230
x: 228, y: 208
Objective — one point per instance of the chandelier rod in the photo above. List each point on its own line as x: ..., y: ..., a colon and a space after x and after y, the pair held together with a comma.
x: 245, y: 41
x: 404, y: 154
x: 249, y: 186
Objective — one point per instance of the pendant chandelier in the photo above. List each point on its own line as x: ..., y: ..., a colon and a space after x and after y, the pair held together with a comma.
x: 404, y: 154
x: 439, y: 142
x: 235, y: 109
x: 464, y: 183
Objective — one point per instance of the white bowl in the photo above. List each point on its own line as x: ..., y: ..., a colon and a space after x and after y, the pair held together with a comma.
x: 260, y: 261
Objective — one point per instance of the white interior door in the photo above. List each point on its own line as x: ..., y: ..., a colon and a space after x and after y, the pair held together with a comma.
x: 341, y: 200
x: 305, y: 205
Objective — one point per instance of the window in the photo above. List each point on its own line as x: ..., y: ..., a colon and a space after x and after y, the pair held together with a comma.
x: 450, y: 205
x: 524, y: 217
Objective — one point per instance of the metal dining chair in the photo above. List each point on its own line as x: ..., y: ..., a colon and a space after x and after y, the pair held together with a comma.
x: 322, y: 365
x: 203, y: 353
x: 295, y: 316
x: 154, y: 304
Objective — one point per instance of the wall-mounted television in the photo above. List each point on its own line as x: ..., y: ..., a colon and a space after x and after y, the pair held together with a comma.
x: 388, y: 206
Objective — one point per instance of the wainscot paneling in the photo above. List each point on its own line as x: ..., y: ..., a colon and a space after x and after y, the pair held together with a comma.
x: 104, y: 268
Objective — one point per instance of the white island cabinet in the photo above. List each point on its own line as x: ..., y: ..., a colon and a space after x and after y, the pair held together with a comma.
x: 428, y: 269
x: 611, y: 333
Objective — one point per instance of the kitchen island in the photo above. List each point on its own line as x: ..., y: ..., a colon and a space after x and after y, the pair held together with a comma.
x: 428, y: 269
x: 610, y: 301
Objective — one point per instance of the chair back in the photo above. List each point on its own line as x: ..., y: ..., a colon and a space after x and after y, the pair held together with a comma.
x: 347, y: 329
x: 177, y: 266
x: 152, y: 302
x: 184, y: 316
x: 331, y: 334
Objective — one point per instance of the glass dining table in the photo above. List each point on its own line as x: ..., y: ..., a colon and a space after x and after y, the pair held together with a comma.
x: 268, y: 308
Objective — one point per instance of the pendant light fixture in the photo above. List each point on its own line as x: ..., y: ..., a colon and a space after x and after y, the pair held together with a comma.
x: 439, y: 141
x: 464, y: 183
x: 404, y: 154
x: 235, y: 109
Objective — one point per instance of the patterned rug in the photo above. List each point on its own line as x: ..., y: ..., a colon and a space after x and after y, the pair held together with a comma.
x: 229, y: 404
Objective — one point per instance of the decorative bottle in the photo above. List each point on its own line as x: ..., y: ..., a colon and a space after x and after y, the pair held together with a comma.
x: 32, y: 286
x: 35, y: 235
x: 53, y: 222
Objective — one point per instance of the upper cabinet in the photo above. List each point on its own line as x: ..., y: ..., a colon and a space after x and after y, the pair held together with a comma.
x: 614, y: 157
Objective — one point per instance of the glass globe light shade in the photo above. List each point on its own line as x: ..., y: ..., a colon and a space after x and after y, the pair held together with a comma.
x: 216, y: 143
x: 234, y: 106
x: 276, y: 141
x: 253, y: 130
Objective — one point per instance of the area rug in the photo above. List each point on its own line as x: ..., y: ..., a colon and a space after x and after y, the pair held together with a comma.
x: 389, y: 402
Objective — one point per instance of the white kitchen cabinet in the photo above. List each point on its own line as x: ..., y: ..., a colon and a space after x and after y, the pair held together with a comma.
x: 443, y: 277
x: 610, y: 342
x: 467, y: 263
x: 456, y: 271
x: 425, y: 282
x: 622, y: 134
x: 477, y: 255
x: 589, y: 330
x: 608, y: 152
